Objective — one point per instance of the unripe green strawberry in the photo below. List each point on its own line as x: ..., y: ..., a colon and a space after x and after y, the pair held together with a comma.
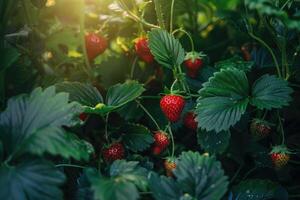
x: 280, y: 156
x: 114, y: 152
x: 172, y: 106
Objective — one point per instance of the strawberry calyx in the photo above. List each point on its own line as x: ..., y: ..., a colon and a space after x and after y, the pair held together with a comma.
x: 280, y: 149
x: 193, y: 55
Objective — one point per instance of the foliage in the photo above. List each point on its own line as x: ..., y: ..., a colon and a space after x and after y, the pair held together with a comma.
x: 124, y: 179
x: 61, y: 111
x: 196, y: 175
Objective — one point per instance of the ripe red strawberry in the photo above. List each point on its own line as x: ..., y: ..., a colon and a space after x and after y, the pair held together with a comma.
x: 156, y: 150
x: 161, y: 140
x: 95, y: 45
x: 83, y: 116
x: 245, y: 51
x: 142, y: 49
x: 114, y: 152
x: 190, y: 122
x: 170, y: 165
x: 172, y: 106
x: 193, y: 63
x: 280, y: 156
x: 260, y: 128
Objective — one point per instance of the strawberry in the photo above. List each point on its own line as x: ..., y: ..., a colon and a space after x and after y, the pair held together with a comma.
x: 114, y: 152
x: 193, y: 63
x: 280, y: 156
x: 161, y: 142
x: 172, y: 106
x: 245, y: 51
x: 170, y: 165
x: 260, y: 128
x: 83, y: 116
x: 161, y: 139
x: 142, y: 49
x: 95, y: 45
x: 156, y: 150
x: 189, y: 121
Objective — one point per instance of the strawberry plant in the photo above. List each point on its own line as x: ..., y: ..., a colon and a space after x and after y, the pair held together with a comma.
x: 161, y: 99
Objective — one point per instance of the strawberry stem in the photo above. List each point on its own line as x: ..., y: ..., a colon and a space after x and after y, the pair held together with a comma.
x: 70, y: 165
x: 149, y: 115
x: 172, y: 15
x: 106, y: 127
x: 172, y: 139
x: 187, y: 34
x: 133, y: 67
x: 83, y: 43
x: 281, y: 128
x: 173, y: 84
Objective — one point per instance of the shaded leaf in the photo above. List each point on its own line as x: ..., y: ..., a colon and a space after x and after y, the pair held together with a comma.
x: 8, y: 56
x: 235, y: 62
x: 201, y: 176
x: 125, y: 178
x: 163, y: 187
x: 33, y: 179
x: 137, y: 137
x: 129, y: 171
x: 257, y: 189
x: 58, y: 142
x: 213, y: 142
x: 270, y: 92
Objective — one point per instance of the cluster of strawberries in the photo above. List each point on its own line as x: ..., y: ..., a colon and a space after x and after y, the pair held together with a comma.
x: 172, y: 105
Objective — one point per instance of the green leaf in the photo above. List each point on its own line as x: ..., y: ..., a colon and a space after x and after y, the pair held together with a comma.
x: 137, y: 137
x: 223, y: 100
x: 120, y: 94
x: 85, y: 94
x: 201, y: 176
x: 166, y: 49
x: 131, y: 111
x: 235, y: 62
x: 33, y: 179
x: 58, y: 142
x: 213, y: 142
x: 122, y: 184
x: 129, y: 171
x: 257, y: 189
x: 83, y: 186
x: 35, y: 117
x: 270, y: 92
x: 163, y: 187
x: 8, y: 56
x: 110, y: 189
